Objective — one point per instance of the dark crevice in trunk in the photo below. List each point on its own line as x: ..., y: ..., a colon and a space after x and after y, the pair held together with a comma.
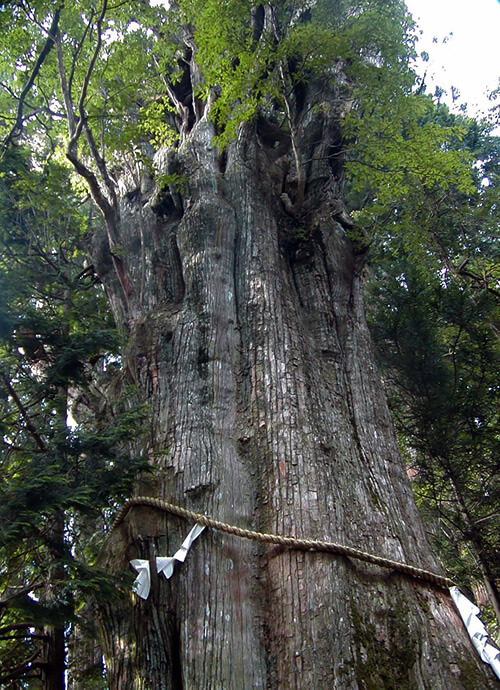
x: 167, y: 204
x: 182, y: 91
x: 166, y: 262
x: 295, y: 284
x: 318, y: 235
x: 222, y: 162
x: 175, y: 641
x: 275, y: 141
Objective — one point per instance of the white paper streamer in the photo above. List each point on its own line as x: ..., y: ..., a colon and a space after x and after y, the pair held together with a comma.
x: 477, y: 632
x: 142, y: 583
x: 181, y: 554
x: 164, y: 564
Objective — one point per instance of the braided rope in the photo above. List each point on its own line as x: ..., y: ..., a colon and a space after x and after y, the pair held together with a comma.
x: 292, y: 542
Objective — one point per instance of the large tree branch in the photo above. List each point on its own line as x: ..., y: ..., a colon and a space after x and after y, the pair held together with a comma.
x: 66, y: 91
x: 16, y: 628
x: 482, y: 281
x: 294, y: 208
x: 24, y: 413
x: 83, y: 94
x: 101, y: 164
x: 77, y: 122
x: 78, y: 50
x: 47, y: 47
x: 102, y: 190
x: 94, y: 186
x: 26, y: 666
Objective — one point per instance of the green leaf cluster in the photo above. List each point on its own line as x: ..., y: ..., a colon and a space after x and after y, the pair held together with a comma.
x: 314, y: 40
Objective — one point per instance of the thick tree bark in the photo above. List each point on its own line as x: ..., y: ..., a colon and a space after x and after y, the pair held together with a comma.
x: 249, y: 341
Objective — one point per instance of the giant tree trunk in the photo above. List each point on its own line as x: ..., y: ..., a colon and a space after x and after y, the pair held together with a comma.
x: 248, y: 339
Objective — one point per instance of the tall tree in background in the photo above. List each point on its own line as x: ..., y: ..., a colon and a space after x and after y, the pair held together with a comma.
x: 435, y: 323
x: 56, y: 481
x: 213, y: 138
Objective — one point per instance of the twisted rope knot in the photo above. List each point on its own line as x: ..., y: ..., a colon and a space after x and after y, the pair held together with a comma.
x: 291, y: 542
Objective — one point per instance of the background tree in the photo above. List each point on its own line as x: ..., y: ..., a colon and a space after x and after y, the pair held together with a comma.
x: 239, y: 291
x: 435, y: 323
x: 57, y: 479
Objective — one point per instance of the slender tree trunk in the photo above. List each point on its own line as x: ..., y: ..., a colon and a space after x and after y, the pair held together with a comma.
x: 53, y: 669
x: 85, y: 669
x: 473, y: 535
x: 267, y: 412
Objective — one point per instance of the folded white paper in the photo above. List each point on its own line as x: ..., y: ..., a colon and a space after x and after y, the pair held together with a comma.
x: 142, y: 583
x: 164, y: 564
x: 477, y: 632
x: 181, y: 554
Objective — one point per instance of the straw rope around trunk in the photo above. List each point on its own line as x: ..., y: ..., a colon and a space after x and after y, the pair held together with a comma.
x: 290, y: 542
